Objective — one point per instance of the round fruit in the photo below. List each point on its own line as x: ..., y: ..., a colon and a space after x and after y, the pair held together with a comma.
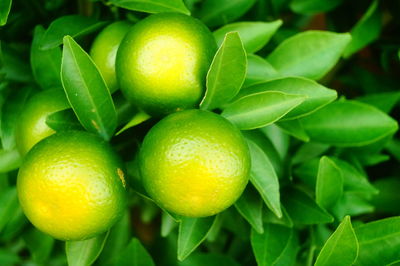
x: 31, y: 126
x: 194, y: 163
x: 104, y: 51
x: 71, y: 186
x: 163, y: 61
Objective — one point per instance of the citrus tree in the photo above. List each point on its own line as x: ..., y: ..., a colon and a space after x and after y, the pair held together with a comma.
x: 199, y: 132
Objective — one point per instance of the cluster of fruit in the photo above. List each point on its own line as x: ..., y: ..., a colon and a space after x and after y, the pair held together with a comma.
x: 193, y: 162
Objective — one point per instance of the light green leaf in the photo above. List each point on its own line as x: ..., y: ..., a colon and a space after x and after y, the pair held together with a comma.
x: 258, y: 69
x: 309, y: 7
x: 379, y: 242
x: 353, y: 204
x: 366, y: 30
x: 278, y: 245
x: 329, y: 187
x: 309, y: 54
x: 167, y: 224
x: 137, y: 119
x: 249, y: 205
x: 39, y: 245
x: 349, y: 123
x: 135, y: 255
x: 86, y: 91
x: 263, y: 177
x: 85, y: 252
x: 254, y: 34
x: 317, y: 95
x: 192, y: 232
x: 72, y: 25
x: 5, y: 7
x: 9, y: 160
x: 341, y: 249
x: 294, y: 128
x: 261, y: 109
x: 153, y: 6
x: 226, y: 74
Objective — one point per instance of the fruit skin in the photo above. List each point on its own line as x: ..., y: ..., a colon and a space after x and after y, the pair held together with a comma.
x: 104, y: 51
x: 31, y: 126
x: 194, y: 163
x: 163, y: 61
x: 71, y: 186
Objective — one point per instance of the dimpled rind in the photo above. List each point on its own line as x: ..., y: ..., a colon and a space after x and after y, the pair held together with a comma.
x: 71, y: 186
x: 163, y: 61
x: 104, y: 51
x: 31, y: 126
x: 194, y: 163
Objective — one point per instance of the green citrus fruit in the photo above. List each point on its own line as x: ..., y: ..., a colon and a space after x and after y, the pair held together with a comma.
x: 194, y: 163
x: 163, y: 61
x: 104, y: 51
x: 71, y: 186
x: 31, y: 126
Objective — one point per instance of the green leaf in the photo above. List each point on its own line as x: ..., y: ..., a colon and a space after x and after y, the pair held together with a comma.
x: 309, y: 151
x: 219, y: 12
x: 309, y: 7
x: 135, y: 255
x: 86, y: 90
x: 258, y: 69
x: 249, y: 205
x: 387, y: 199
x: 341, y: 249
x: 5, y: 7
x: 384, y: 101
x: 226, y: 74
x: 317, y: 95
x: 254, y: 34
x: 209, y: 259
x: 261, y: 109
x: 73, y: 25
x: 349, y: 123
x: 46, y: 65
x: 167, y: 224
x: 270, y: 217
x: 63, y: 120
x: 39, y: 245
x: 9, y: 258
x: 379, y: 242
x: 9, y: 160
x: 264, y: 179
x: 85, y: 252
x: 304, y: 210
x: 329, y: 187
x: 366, y: 30
x: 192, y: 232
x: 278, y: 245
x: 137, y: 119
x: 9, y: 204
x: 152, y: 6
x: 309, y: 54
x: 353, y: 204
x: 14, y: 66
x: 294, y: 128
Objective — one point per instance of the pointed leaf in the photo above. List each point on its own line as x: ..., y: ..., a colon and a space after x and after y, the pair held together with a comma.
x: 137, y: 119
x: 258, y: 69
x: 167, y: 224
x: 310, y: 7
x: 261, y: 109
x: 152, y: 6
x: 341, y: 244
x: 86, y: 91
x: 309, y: 54
x: 39, y: 244
x: 226, y: 74
x: 384, y: 101
x: 63, y: 120
x: 9, y: 160
x: 5, y: 7
x: 294, y: 128
x: 9, y: 204
x: 135, y: 255
x: 329, y: 187
x: 249, y: 205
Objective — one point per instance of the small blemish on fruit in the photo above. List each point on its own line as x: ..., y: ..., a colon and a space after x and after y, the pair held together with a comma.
x: 121, y: 176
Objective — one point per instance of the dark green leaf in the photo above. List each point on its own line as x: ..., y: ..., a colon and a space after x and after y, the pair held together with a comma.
x: 85, y: 252
x: 9, y: 160
x: 152, y: 6
x: 86, y: 91
x: 9, y: 205
x: 254, y: 34
x: 137, y: 119
x: 302, y: 209
x: 270, y: 217
x: 294, y: 128
x: 192, y: 232
x: 278, y: 245
x: 329, y: 187
x: 309, y: 151
x: 46, y: 65
x: 249, y: 205
x: 385, y: 101
x: 167, y: 224
x: 63, y: 120
x: 317, y: 95
x: 209, y: 259
x: 349, y: 123
x: 261, y: 109
x: 5, y: 7
x: 309, y: 7
x: 219, y: 12
x: 366, y: 30
x: 387, y: 199
x: 379, y: 242
x: 258, y: 69
x: 226, y: 74
x: 135, y: 255
x: 263, y: 177
x: 73, y: 25
x: 14, y: 66
x: 9, y: 258
x: 352, y: 204
x: 309, y: 54
x: 341, y: 249
x: 40, y: 245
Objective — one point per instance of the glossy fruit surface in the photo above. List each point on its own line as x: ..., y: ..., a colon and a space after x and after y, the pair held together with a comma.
x: 32, y: 127
x: 194, y: 163
x: 163, y: 61
x: 71, y: 186
x: 104, y: 51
